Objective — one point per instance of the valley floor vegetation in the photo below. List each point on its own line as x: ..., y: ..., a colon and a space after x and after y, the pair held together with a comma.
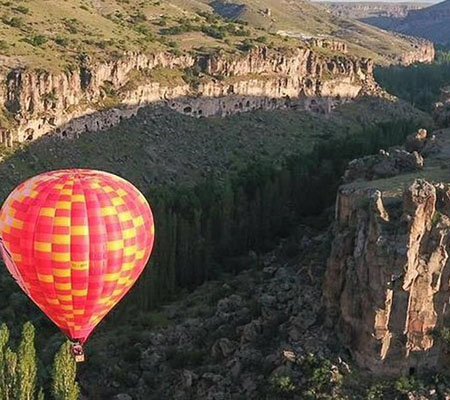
x: 207, y: 223
x: 418, y: 84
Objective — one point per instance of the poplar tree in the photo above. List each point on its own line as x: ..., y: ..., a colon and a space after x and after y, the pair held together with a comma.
x: 26, y: 364
x: 64, y: 385
x: 10, y: 366
x: 4, y: 338
x: 41, y: 395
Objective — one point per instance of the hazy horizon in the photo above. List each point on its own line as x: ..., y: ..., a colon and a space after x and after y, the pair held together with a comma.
x: 381, y: 1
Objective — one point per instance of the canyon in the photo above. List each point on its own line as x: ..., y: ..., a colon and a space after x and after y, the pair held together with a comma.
x: 259, y: 288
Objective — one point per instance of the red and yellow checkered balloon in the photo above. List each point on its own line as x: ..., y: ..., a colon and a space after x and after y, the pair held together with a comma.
x: 76, y: 241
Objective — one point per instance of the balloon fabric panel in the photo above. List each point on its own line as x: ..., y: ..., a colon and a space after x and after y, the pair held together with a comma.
x: 78, y: 239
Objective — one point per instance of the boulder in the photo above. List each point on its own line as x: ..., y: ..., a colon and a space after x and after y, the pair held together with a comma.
x: 416, y: 141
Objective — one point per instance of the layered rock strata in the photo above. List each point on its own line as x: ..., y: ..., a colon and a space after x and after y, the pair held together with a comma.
x: 96, y: 96
x: 387, y: 283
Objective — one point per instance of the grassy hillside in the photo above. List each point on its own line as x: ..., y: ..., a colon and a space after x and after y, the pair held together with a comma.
x: 54, y: 34
x: 304, y: 17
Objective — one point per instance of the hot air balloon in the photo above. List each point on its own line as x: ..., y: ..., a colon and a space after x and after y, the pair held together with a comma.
x: 76, y: 241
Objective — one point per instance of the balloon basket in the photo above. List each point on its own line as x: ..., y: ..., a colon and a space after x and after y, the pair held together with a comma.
x: 78, y: 352
x: 79, y: 358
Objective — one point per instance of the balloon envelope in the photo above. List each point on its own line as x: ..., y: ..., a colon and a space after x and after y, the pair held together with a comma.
x: 76, y: 241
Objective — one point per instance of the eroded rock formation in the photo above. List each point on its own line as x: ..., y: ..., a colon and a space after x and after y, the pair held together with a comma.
x: 387, y: 283
x: 383, y: 165
x: 424, y: 52
x: 93, y: 97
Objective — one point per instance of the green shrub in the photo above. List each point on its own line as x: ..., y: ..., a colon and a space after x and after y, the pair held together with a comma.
x: 261, y: 39
x: 138, y: 16
x: 15, y: 22
x: 182, y: 359
x: 3, y: 45
x: 192, y: 76
x: 281, y: 383
x: 247, y: 45
x: 375, y: 392
x: 405, y: 384
x: 37, y: 40
x: 62, y: 41
x: 215, y: 31
x: 132, y: 355
x: 22, y: 9
x: 71, y: 25
x: 143, y: 30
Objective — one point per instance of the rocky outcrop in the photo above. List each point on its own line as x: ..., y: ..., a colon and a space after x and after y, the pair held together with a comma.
x: 387, y: 282
x: 423, y: 52
x: 383, y: 165
x: 93, y: 97
x: 330, y: 44
x: 363, y: 10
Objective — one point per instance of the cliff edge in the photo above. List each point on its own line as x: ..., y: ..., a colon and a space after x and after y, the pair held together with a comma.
x: 97, y: 95
x: 387, y: 282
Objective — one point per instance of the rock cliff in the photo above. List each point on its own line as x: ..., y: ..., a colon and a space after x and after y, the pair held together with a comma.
x: 387, y: 284
x: 423, y: 52
x: 95, y: 96
x: 361, y: 10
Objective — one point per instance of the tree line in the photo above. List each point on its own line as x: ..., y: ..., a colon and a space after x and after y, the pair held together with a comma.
x: 202, y: 231
x: 20, y: 378
x: 419, y: 84
x: 210, y: 228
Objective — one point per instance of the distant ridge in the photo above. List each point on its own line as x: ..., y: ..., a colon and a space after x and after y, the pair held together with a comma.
x: 421, y: 19
x: 432, y: 23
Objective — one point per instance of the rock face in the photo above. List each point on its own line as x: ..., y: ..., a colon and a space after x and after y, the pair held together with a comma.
x: 387, y: 282
x: 93, y: 97
x: 423, y: 53
x: 362, y: 10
